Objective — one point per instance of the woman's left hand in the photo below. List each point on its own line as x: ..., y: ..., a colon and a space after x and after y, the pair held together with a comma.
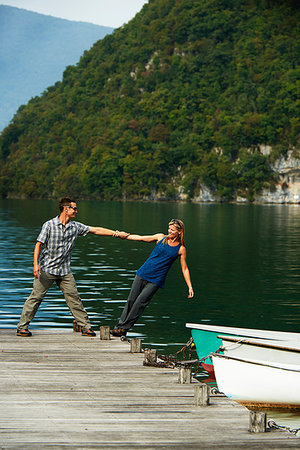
x: 191, y: 292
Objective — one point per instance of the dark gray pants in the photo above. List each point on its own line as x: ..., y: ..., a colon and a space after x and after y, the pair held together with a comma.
x: 139, y: 297
x: 68, y: 287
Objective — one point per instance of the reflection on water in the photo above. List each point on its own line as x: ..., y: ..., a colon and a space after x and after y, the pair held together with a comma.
x: 244, y: 263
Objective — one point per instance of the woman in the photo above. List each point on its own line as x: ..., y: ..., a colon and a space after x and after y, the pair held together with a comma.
x: 152, y: 274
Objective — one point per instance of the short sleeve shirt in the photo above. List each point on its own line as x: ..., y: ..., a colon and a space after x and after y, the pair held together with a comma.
x: 58, y: 241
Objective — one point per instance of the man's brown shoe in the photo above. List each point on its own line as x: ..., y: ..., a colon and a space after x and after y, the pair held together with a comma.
x: 24, y: 333
x: 89, y: 332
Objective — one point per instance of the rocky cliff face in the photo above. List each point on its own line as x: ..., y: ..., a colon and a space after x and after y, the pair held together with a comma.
x: 288, y: 185
x: 287, y: 189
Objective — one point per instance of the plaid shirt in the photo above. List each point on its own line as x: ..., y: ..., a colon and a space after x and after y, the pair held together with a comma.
x: 58, y: 241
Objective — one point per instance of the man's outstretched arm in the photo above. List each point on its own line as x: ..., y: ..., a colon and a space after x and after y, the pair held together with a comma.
x: 100, y: 231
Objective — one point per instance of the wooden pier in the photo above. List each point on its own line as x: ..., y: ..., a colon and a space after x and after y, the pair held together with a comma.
x: 62, y: 390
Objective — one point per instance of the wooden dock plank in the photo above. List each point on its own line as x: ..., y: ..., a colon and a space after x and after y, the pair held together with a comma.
x: 62, y: 390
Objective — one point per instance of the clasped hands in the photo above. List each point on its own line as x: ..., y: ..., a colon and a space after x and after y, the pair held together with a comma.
x: 121, y: 234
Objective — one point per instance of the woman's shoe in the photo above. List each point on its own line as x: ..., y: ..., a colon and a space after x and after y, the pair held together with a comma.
x: 118, y: 332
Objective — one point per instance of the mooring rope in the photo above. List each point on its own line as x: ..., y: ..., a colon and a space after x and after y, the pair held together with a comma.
x: 172, y: 361
x: 273, y: 425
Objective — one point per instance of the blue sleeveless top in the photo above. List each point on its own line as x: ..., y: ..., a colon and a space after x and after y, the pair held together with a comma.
x: 156, y: 267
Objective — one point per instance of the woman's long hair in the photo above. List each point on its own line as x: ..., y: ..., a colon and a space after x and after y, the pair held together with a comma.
x: 180, y: 227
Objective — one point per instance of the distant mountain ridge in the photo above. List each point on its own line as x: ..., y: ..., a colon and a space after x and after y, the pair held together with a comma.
x: 34, y: 51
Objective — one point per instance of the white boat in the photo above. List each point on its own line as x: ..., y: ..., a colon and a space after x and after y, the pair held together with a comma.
x: 258, y: 385
x: 206, y: 338
x: 286, y: 352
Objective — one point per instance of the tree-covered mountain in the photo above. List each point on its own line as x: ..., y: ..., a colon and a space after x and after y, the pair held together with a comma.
x: 35, y: 49
x: 183, y: 95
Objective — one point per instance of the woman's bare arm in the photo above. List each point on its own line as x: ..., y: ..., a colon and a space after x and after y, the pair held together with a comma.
x: 150, y: 238
x: 185, y: 271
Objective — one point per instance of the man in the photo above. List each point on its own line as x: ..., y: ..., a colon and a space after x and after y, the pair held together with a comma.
x: 51, y: 262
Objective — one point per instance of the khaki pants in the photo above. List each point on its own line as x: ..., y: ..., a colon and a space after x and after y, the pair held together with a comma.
x: 68, y: 287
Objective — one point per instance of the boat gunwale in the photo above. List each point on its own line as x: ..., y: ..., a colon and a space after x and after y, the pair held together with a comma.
x: 247, y: 341
x: 246, y: 332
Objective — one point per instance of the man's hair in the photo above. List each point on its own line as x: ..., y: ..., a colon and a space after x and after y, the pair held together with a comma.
x: 65, y: 201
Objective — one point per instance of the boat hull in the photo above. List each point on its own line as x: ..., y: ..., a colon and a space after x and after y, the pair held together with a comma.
x: 257, y: 385
x: 208, y: 366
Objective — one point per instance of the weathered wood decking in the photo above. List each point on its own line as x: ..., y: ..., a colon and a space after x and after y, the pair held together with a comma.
x: 62, y: 390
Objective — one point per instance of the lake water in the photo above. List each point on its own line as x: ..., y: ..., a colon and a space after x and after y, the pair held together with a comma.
x: 244, y: 262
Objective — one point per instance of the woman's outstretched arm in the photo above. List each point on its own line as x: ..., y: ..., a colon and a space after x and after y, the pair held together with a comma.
x: 185, y: 271
x: 151, y: 238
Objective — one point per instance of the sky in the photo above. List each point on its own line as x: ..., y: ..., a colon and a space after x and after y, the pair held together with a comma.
x: 109, y: 13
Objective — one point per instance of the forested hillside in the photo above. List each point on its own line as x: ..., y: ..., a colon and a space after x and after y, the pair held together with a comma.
x: 184, y: 94
x: 35, y: 49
